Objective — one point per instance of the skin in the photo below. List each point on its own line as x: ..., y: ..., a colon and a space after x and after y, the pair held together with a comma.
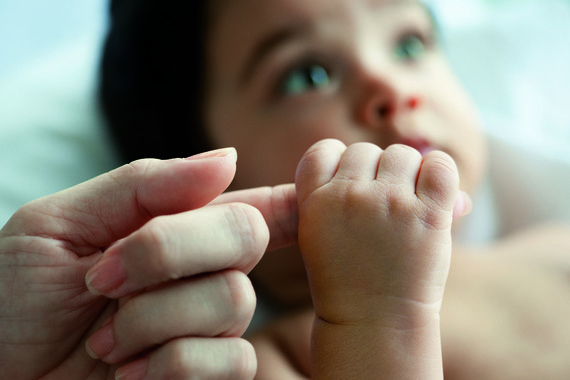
x: 375, y: 233
x: 367, y: 98
x: 67, y: 302
x: 113, y: 226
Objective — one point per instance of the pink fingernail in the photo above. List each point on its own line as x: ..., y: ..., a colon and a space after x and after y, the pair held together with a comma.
x: 133, y: 371
x: 215, y: 153
x: 463, y: 205
x: 107, y: 275
x: 102, y: 342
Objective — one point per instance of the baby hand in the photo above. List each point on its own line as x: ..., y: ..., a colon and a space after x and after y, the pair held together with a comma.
x: 375, y: 234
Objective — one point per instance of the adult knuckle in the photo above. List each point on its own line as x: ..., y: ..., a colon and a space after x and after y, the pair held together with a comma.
x: 242, y: 360
x: 252, y: 234
x: 138, y: 167
x: 179, y: 363
x: 222, y: 358
x: 132, y: 170
x: 155, y: 241
x: 242, y: 299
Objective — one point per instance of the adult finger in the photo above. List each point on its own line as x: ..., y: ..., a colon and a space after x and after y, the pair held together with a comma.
x: 278, y: 205
x: 196, y: 358
x: 217, y: 305
x: 111, y: 206
x: 209, y: 239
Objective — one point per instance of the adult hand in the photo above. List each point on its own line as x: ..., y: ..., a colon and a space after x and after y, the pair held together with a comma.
x: 167, y: 276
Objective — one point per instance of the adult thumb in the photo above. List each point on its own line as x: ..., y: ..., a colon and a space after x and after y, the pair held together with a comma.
x: 107, y: 208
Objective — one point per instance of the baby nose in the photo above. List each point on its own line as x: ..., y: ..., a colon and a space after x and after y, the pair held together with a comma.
x: 383, y: 98
x: 413, y: 102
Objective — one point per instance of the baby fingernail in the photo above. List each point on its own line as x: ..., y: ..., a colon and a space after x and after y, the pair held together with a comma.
x: 133, y: 371
x: 102, y: 342
x: 463, y: 205
x: 107, y: 275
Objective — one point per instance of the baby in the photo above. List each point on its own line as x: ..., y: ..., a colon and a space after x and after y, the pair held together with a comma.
x: 375, y: 226
x: 144, y: 271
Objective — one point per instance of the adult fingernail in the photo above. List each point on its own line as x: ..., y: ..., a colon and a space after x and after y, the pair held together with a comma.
x: 225, y: 152
x: 133, y: 371
x: 107, y: 275
x: 102, y: 342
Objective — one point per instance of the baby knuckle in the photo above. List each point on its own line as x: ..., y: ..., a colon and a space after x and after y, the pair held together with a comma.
x: 399, y: 203
x: 403, y: 150
x: 444, y: 162
x: 435, y: 221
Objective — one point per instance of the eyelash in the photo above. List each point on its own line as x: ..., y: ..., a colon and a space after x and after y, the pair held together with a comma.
x: 306, y: 62
x: 427, y: 38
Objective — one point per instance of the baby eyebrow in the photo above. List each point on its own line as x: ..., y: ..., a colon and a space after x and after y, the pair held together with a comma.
x: 273, y: 40
x: 269, y: 44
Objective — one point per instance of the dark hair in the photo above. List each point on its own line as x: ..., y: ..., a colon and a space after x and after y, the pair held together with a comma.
x: 152, y: 73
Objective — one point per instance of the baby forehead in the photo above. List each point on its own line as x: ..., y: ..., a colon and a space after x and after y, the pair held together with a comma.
x: 301, y: 7
x: 256, y: 15
x: 238, y: 26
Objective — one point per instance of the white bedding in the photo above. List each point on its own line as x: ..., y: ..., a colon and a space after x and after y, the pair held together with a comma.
x: 514, y: 58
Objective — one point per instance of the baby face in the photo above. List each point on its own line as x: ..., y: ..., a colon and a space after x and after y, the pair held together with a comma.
x: 284, y: 74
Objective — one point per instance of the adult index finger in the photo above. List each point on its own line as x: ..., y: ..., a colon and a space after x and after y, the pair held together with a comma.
x: 278, y: 205
x: 107, y: 208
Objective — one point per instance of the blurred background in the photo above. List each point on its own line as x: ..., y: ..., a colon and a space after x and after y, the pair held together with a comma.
x: 50, y: 132
x: 512, y: 55
x: 31, y: 29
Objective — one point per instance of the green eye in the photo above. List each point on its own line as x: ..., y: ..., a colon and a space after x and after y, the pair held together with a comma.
x: 410, y: 48
x: 306, y: 78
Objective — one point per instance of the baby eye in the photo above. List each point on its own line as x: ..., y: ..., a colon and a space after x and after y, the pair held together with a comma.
x: 410, y: 48
x: 305, y: 78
